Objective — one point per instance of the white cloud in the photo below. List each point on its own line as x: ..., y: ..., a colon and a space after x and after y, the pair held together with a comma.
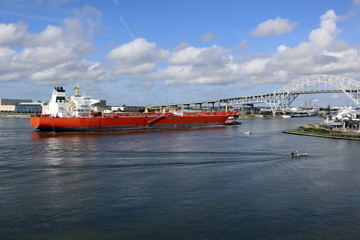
x: 198, y: 56
x: 58, y: 53
x: 12, y: 34
x: 133, y: 51
x: 208, y: 37
x: 322, y: 54
x: 215, y: 65
x: 40, y: 56
x: 138, y: 56
x: 356, y: 1
x: 190, y: 65
x: 324, y: 36
x: 89, y: 20
x: 254, y: 67
x: 81, y: 71
x: 277, y: 26
x: 243, y: 44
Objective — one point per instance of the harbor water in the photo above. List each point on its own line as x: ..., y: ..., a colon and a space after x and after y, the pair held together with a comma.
x: 195, y: 183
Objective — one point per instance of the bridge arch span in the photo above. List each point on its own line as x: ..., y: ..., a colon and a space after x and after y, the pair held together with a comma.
x: 317, y: 83
x: 321, y: 83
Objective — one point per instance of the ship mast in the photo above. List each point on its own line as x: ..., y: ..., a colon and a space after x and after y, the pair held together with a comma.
x: 76, y: 88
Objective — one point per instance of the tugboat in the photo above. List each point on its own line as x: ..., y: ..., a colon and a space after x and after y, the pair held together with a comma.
x: 299, y: 154
x: 231, y: 121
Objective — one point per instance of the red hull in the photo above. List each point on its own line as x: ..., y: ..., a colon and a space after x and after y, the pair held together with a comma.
x: 127, y: 120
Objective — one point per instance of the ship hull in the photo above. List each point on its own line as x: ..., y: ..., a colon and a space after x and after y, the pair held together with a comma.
x: 136, y: 121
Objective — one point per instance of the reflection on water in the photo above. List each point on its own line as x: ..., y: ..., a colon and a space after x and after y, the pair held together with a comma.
x: 199, y: 183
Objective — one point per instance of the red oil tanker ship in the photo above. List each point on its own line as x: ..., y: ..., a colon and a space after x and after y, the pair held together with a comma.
x: 77, y: 113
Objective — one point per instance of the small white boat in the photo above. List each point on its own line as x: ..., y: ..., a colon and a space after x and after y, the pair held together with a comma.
x: 299, y: 154
x: 247, y: 133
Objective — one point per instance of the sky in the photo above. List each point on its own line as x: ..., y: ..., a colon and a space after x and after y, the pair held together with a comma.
x: 140, y: 52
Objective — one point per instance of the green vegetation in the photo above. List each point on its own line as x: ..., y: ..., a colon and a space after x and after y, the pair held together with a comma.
x: 317, y: 131
x: 311, y: 131
x: 267, y: 113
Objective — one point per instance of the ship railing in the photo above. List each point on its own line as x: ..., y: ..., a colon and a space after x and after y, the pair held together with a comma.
x: 117, y: 114
x: 169, y: 114
x: 209, y: 113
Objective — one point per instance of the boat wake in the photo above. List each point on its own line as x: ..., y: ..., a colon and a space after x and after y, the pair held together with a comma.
x: 158, y: 159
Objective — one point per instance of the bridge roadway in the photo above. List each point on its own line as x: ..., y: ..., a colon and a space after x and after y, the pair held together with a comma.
x: 282, y: 98
x: 269, y: 98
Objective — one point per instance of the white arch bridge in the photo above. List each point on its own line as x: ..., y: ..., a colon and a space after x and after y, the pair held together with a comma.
x: 283, y: 97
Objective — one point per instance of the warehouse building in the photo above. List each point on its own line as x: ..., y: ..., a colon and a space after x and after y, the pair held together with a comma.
x: 36, y: 107
x: 19, y: 106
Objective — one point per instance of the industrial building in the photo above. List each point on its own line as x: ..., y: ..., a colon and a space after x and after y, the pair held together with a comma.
x: 4, y: 101
x: 20, y: 106
x: 36, y: 107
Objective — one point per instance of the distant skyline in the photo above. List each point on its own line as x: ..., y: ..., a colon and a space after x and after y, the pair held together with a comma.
x: 137, y: 52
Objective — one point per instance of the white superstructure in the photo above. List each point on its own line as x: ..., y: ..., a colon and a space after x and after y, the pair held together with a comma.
x: 75, y: 106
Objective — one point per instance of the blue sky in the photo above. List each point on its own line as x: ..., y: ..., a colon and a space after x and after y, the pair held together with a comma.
x: 149, y: 52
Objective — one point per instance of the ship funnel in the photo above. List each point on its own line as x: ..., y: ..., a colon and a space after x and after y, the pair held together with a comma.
x: 59, y: 89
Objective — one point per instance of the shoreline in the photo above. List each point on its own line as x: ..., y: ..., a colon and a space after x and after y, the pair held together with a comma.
x: 312, y: 131
x: 15, y: 115
x: 259, y: 117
